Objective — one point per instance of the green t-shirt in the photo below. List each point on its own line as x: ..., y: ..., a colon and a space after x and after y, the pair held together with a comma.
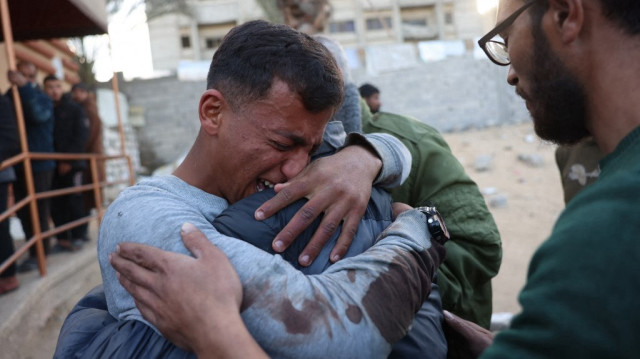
x: 583, y: 285
x: 474, y: 252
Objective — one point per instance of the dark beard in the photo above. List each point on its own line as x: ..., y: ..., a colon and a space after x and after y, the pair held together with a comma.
x: 557, y: 100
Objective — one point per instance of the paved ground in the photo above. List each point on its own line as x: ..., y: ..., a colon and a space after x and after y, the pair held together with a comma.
x: 31, y: 317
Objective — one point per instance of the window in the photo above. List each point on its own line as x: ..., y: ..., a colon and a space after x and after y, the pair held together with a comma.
x: 212, y: 43
x: 376, y: 23
x: 448, y: 18
x: 185, y: 41
x: 415, y: 22
x: 342, y: 26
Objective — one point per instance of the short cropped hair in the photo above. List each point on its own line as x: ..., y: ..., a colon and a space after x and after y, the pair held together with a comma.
x: 624, y: 13
x: 50, y: 78
x: 368, y: 90
x: 252, y: 55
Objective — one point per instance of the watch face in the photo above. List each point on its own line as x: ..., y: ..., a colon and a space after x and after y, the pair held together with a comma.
x: 435, y: 224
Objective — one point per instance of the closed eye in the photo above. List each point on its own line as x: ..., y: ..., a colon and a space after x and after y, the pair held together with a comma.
x: 281, y: 146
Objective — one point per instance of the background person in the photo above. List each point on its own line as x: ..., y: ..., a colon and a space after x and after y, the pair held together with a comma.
x: 9, y: 146
x: 38, y: 118
x: 81, y: 95
x: 70, y: 135
x: 371, y: 95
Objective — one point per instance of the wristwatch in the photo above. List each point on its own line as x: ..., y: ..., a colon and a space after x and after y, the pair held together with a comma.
x: 435, y: 224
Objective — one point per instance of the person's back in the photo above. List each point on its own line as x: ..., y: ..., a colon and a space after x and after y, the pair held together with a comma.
x: 474, y: 252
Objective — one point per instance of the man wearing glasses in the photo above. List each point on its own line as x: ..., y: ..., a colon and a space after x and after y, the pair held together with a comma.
x: 576, y: 63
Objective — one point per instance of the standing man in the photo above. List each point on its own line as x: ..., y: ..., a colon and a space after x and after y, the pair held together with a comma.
x: 70, y: 135
x: 9, y: 146
x: 371, y: 95
x: 576, y: 62
x: 38, y: 118
x: 81, y: 95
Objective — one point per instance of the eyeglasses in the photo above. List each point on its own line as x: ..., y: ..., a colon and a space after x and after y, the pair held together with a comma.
x: 497, y: 50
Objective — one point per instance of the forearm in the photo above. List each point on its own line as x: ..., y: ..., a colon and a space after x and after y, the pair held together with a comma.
x: 361, y: 303
x: 227, y: 338
x: 396, y: 159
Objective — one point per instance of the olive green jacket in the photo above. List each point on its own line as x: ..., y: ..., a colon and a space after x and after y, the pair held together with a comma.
x: 474, y: 252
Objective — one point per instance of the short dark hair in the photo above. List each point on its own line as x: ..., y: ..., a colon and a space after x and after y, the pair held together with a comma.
x: 80, y: 86
x: 50, y: 78
x: 368, y: 90
x: 252, y: 55
x: 625, y: 13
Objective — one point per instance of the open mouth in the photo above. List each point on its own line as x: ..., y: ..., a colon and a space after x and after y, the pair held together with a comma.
x: 263, y: 184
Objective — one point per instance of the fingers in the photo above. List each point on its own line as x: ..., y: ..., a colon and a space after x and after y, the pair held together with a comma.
x: 298, y: 223
x: 131, y: 271
x: 195, y: 241
x: 347, y: 234
x: 141, y: 254
x: 466, y: 327
x: 286, y: 194
x: 333, y: 216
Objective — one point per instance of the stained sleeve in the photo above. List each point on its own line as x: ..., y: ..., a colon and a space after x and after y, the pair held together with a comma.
x: 358, y: 307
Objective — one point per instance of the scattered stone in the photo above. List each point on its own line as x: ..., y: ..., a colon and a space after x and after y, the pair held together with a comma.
x: 508, y: 148
x: 529, y: 138
x: 498, y: 201
x: 500, y: 321
x: 487, y: 191
x: 483, y: 163
x: 531, y: 159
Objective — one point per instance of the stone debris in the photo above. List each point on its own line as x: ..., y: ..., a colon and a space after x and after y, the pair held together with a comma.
x: 483, y: 163
x: 500, y: 321
x: 498, y: 201
x: 531, y: 159
x: 487, y: 191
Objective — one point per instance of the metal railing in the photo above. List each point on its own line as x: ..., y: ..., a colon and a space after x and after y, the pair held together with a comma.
x: 31, y: 199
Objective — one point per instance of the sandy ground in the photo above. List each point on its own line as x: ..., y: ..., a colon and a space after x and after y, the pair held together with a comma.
x: 533, y: 197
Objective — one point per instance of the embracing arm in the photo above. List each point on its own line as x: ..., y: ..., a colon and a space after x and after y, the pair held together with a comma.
x: 362, y: 303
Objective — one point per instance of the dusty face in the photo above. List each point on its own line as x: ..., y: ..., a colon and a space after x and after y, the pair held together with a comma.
x: 373, y: 102
x: 79, y: 95
x: 53, y: 88
x: 554, y: 97
x: 265, y: 143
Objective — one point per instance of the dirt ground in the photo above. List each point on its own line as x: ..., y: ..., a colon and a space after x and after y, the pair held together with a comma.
x: 533, y: 196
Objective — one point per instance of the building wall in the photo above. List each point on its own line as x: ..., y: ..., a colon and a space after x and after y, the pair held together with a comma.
x: 49, y: 57
x: 355, y: 24
x: 169, y: 121
x: 451, y: 95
